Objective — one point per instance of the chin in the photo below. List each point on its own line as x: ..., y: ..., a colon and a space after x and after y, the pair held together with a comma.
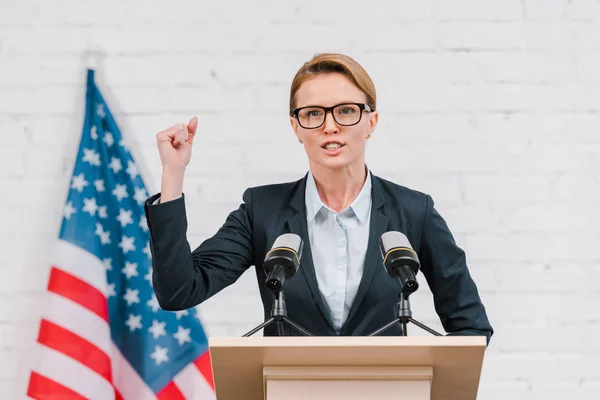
x: 336, y: 163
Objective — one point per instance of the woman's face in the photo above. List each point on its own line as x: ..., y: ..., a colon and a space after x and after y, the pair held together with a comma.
x: 329, y: 90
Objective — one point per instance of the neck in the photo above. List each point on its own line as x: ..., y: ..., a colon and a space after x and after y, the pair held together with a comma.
x: 339, y: 187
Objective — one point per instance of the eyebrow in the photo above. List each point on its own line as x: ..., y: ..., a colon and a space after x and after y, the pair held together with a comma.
x: 336, y: 104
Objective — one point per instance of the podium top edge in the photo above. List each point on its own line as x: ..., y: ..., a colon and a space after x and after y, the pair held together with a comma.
x: 348, y: 341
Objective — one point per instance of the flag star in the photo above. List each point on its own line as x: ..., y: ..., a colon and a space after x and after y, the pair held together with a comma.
x: 131, y: 296
x: 99, y: 183
x: 109, y: 140
x: 181, y: 313
x: 160, y: 355
x: 79, y: 182
x: 91, y: 157
x: 143, y: 223
x: 115, y: 165
x: 134, y: 322
x: 148, y: 276
x: 158, y: 329
x: 102, y: 212
x: 153, y: 303
x: 100, y: 110
x: 90, y: 206
x: 132, y: 170
x: 124, y: 145
x: 124, y: 217
x: 127, y: 244
x: 94, y: 133
x: 69, y: 210
x: 130, y: 269
x: 107, y: 264
x: 104, y: 236
x: 110, y: 290
x: 147, y: 250
x: 182, y: 335
x: 120, y: 191
x: 140, y: 195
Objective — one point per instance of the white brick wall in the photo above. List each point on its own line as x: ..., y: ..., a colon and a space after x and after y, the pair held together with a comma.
x: 491, y: 106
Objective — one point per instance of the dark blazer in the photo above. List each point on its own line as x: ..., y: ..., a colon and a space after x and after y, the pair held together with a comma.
x: 183, y: 279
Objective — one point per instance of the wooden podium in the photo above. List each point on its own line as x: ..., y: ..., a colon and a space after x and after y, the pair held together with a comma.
x: 348, y: 368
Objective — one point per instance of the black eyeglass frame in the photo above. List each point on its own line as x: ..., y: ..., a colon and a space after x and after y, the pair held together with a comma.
x: 362, y: 106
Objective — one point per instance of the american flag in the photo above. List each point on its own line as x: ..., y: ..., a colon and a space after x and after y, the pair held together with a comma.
x: 102, y: 334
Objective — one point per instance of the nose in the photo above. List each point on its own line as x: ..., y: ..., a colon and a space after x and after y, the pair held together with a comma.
x: 329, y: 126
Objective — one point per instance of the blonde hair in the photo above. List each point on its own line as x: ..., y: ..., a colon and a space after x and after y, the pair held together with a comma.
x: 332, y: 62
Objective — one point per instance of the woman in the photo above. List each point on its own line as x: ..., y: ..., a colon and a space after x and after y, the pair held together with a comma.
x: 339, y: 209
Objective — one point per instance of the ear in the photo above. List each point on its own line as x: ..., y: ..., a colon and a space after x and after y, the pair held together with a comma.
x: 373, y: 120
x: 295, y: 126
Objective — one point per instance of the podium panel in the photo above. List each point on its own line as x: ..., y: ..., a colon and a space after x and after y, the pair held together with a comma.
x: 258, y: 368
x: 347, y: 383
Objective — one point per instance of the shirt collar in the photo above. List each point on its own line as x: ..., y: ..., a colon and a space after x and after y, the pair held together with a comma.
x: 360, y: 206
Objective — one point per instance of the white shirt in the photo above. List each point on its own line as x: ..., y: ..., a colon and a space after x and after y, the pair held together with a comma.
x: 338, y: 243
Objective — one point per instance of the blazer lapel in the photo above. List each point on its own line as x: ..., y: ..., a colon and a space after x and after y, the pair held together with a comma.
x: 297, y: 224
x: 378, y: 226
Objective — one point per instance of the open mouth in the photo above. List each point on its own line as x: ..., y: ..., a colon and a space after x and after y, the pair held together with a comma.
x: 333, y: 146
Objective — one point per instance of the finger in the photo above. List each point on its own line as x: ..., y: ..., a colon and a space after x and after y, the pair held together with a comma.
x: 192, y: 125
x: 179, y: 136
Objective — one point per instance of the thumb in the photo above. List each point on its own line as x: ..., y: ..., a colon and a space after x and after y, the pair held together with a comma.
x: 192, y: 126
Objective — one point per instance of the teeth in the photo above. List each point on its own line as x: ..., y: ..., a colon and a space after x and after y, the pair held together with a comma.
x: 333, y: 146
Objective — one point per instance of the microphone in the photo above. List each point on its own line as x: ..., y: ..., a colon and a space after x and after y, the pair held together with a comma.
x: 283, y: 260
x: 400, y: 260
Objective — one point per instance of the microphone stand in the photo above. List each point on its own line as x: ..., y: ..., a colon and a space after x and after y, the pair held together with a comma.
x: 279, y: 317
x: 404, y: 317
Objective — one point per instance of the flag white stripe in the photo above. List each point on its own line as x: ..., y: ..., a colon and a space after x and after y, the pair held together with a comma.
x: 79, y: 320
x: 80, y: 263
x: 192, y: 384
x: 126, y: 380
x: 72, y: 374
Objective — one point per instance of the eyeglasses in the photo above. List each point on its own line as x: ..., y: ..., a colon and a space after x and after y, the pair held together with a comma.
x: 346, y: 114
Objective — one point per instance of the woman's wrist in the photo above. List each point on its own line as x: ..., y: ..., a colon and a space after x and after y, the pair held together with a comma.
x: 172, y: 183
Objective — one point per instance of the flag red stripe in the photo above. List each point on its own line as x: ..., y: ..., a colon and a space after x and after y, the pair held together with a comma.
x: 76, y: 347
x: 73, y: 288
x: 170, y: 392
x: 118, y: 396
x: 42, y: 388
x: 204, y: 365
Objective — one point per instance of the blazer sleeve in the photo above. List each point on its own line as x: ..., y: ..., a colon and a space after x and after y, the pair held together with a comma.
x: 183, y: 278
x: 455, y: 295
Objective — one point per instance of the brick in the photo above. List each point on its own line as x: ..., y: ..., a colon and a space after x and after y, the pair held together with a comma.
x: 503, y: 389
x: 525, y: 67
x: 555, y: 219
x: 528, y: 247
x: 15, y: 160
x: 45, y: 100
x: 541, y: 366
x: 588, y: 10
x: 475, y: 35
x: 548, y: 35
x: 492, y: 189
x: 542, y: 389
x: 545, y: 9
x: 587, y: 64
x: 31, y: 70
x: 44, y: 39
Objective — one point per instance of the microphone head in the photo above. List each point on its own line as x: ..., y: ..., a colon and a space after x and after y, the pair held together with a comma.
x: 399, y: 259
x: 289, y: 241
x: 283, y: 259
x: 393, y: 239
